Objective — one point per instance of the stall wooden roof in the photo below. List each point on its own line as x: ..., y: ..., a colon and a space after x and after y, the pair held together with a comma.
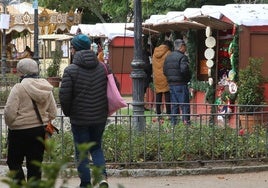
x: 149, y: 28
x: 177, y: 26
x: 212, y: 22
x: 105, y: 30
x: 214, y: 16
x: 146, y: 29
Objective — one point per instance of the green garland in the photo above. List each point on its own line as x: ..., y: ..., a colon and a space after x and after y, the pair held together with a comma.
x: 235, y: 52
x: 210, y: 94
x: 192, y: 51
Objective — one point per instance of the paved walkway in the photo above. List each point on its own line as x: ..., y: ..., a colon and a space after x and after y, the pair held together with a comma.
x: 212, y: 177
x: 244, y: 180
x: 247, y: 180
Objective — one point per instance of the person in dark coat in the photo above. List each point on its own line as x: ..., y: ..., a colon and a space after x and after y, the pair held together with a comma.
x: 177, y: 71
x: 83, y: 99
x: 146, y: 55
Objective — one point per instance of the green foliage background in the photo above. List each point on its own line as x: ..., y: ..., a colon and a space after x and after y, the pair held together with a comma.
x: 122, y: 10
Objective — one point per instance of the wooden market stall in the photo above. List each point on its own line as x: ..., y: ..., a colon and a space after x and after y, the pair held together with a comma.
x: 48, y: 45
x: 244, y: 26
x: 241, y: 27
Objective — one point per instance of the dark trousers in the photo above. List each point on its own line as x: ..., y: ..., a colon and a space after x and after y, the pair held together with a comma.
x: 25, y: 143
x: 159, y: 102
x: 89, y: 134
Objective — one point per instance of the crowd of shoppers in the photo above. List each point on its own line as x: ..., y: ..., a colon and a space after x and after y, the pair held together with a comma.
x: 177, y: 71
x: 83, y: 98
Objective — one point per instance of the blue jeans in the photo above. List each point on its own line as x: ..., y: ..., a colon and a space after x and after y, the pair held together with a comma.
x: 89, y: 134
x: 179, y: 96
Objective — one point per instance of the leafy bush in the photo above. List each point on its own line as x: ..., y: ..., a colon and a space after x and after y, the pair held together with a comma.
x: 3, y: 96
x: 251, y: 90
x: 161, y: 143
x: 54, y: 68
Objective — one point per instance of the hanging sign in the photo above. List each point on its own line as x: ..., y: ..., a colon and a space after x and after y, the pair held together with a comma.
x: 35, y: 4
x: 4, y: 22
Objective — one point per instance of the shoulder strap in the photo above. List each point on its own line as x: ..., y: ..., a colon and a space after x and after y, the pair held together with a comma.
x: 107, y: 73
x: 105, y: 67
x: 37, y: 111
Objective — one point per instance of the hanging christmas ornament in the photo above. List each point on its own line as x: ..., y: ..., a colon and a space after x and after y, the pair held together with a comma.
x: 232, y: 88
x: 210, y: 42
x: 209, y: 72
x: 209, y: 63
x: 210, y: 81
x: 231, y: 75
x: 208, y: 31
x: 209, y: 53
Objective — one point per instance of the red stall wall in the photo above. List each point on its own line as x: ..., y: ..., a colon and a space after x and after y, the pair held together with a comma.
x: 121, y: 52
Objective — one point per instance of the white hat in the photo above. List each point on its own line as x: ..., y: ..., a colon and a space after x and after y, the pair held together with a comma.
x: 27, y: 66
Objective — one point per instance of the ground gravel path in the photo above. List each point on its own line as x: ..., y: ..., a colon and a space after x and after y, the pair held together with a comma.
x: 237, y: 180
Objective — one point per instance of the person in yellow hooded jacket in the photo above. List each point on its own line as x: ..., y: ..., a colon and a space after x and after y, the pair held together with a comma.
x: 159, y: 79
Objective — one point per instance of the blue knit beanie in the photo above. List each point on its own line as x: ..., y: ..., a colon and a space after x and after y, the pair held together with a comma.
x: 81, y: 42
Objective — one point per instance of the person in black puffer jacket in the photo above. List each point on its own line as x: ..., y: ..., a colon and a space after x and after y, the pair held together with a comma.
x: 176, y: 69
x: 83, y: 98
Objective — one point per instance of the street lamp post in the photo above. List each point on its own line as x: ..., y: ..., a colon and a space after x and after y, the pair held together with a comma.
x: 138, y: 74
x: 36, y: 32
x: 4, y: 53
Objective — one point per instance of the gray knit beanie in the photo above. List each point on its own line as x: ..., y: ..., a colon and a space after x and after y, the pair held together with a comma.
x: 27, y: 66
x: 81, y: 42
